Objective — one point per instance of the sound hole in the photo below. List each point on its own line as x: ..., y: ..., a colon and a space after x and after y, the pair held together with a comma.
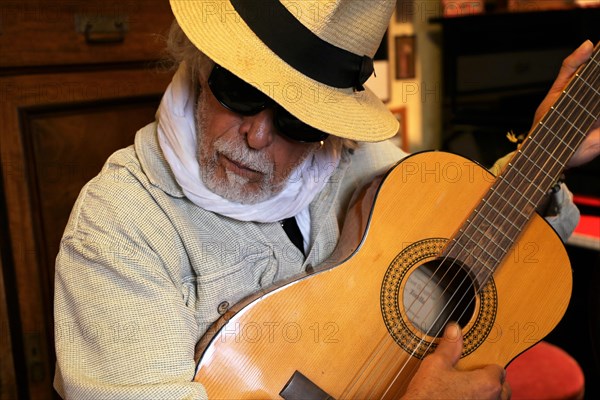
x: 438, y: 292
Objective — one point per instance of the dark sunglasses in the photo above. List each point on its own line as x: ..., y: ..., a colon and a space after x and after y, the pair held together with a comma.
x: 242, y: 98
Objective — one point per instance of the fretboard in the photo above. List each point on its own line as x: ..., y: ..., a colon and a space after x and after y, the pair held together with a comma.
x: 493, y: 226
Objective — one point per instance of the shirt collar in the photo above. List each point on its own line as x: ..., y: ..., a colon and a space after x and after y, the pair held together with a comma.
x: 153, y: 162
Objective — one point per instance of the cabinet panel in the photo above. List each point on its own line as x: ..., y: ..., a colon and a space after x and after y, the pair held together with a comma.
x: 59, y: 32
x: 68, y: 145
x: 58, y: 130
x: 8, y: 385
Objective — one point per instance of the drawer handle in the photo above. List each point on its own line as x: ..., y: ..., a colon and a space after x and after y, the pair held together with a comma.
x: 102, y: 29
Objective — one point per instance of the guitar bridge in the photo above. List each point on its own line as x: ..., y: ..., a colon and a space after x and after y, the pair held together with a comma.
x: 299, y: 387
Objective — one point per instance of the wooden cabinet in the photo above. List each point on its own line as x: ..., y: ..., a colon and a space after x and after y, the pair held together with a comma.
x: 77, y: 80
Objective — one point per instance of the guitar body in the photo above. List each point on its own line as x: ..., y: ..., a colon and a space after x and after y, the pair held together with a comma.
x: 347, y: 327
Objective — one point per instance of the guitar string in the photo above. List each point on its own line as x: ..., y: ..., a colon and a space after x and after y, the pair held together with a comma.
x: 527, y: 188
x: 504, y: 251
x: 378, y: 349
x: 540, y: 155
x: 484, y: 270
x: 422, y: 339
x: 562, y: 99
x: 563, y: 123
x: 521, y: 192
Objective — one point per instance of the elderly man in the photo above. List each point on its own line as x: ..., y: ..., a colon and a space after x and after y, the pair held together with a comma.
x: 243, y: 181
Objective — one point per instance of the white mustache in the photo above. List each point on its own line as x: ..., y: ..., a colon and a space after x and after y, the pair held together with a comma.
x: 239, y: 154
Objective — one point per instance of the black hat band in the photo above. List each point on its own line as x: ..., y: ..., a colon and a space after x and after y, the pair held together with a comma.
x: 279, y: 30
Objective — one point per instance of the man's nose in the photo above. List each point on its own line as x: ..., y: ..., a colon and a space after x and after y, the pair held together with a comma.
x: 259, y: 129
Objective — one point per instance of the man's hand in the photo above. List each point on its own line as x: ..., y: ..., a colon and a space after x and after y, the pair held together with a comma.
x: 590, y: 148
x: 437, y: 378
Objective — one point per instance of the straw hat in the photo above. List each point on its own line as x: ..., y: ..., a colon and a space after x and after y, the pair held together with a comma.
x: 310, y: 56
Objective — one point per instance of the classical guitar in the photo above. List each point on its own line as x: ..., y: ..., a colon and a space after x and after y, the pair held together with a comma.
x: 469, y: 248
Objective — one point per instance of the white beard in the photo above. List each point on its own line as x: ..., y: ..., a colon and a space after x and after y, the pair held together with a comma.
x: 232, y: 186
x: 178, y: 141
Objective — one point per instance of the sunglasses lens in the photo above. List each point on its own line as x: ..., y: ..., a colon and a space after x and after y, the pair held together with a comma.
x: 242, y: 98
x: 235, y: 94
x: 297, y: 130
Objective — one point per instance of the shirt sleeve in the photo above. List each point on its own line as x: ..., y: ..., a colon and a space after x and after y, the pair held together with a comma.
x: 123, y: 329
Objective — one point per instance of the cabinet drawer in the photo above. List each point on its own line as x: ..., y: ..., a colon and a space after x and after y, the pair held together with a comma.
x: 65, y: 32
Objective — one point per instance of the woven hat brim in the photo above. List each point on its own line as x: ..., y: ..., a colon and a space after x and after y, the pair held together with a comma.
x: 214, y: 27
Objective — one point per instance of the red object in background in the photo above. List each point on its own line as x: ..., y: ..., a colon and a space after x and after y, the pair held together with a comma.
x: 587, y: 201
x: 545, y: 371
x: 589, y: 224
x: 458, y: 8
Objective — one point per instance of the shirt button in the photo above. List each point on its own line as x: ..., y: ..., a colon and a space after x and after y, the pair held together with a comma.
x: 223, y: 307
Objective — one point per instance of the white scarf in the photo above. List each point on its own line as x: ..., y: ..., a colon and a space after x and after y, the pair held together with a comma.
x: 177, y: 139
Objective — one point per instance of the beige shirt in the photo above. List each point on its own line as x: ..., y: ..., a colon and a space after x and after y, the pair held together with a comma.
x: 142, y: 271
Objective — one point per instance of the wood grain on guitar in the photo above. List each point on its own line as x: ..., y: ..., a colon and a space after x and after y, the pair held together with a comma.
x: 468, y: 248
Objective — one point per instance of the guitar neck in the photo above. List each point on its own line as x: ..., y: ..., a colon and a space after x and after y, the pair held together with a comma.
x: 493, y: 226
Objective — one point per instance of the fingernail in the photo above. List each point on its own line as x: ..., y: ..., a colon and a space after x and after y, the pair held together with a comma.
x: 452, y: 331
x: 587, y: 43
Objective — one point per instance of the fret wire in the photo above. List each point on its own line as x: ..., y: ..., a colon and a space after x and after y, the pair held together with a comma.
x: 580, y: 86
x: 548, y: 141
x: 483, y: 251
x: 516, y: 170
x: 483, y: 233
x: 509, y: 240
x: 549, y: 134
x: 561, y: 115
x: 498, y: 230
x: 521, y: 203
x: 573, y: 99
x: 572, y: 110
x: 576, y: 115
x: 552, y: 177
x: 587, y: 83
x: 520, y: 173
x: 590, y: 86
x: 507, y: 202
x: 496, y: 247
x: 465, y: 248
x: 475, y: 218
x: 476, y: 227
x: 504, y: 179
x: 567, y: 96
x: 557, y: 112
x: 583, y: 80
x: 500, y: 212
x: 591, y: 61
x: 552, y: 135
x: 533, y: 138
x: 490, y: 202
x: 545, y: 150
x: 577, y: 119
x: 507, y: 182
x: 538, y: 143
